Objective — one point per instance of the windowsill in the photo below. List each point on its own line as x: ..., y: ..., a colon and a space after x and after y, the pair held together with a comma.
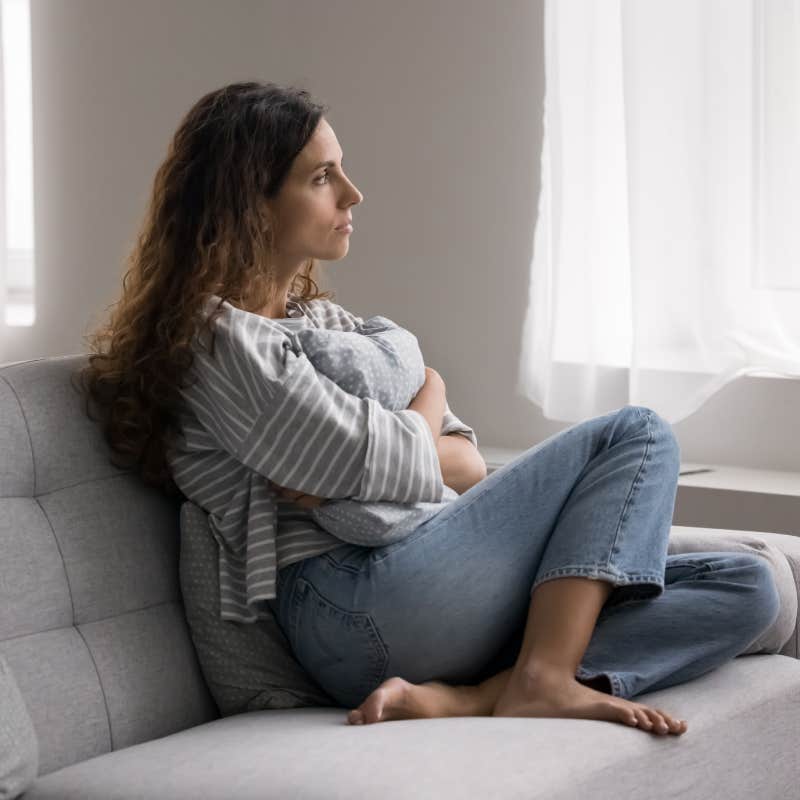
x: 741, y: 479
x: 724, y: 497
x: 713, y: 476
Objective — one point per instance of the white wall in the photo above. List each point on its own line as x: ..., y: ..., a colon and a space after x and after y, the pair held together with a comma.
x: 437, y: 106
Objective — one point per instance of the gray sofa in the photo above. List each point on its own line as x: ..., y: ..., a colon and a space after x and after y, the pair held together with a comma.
x: 93, y: 628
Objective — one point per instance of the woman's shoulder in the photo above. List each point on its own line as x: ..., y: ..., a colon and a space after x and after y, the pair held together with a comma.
x: 326, y: 313
x: 239, y: 336
x: 319, y: 312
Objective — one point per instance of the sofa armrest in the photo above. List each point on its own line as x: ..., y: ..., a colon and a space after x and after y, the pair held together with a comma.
x: 781, y: 550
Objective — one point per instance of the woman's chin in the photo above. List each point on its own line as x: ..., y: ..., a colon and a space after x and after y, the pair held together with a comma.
x: 337, y: 253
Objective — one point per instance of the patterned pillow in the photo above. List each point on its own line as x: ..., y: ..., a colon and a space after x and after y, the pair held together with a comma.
x: 378, y: 359
x: 19, y: 746
x: 382, y: 361
x: 247, y: 667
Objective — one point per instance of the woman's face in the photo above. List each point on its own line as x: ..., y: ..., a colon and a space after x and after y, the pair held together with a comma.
x: 314, y: 200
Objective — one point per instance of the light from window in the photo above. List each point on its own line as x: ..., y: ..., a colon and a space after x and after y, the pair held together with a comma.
x: 17, y: 258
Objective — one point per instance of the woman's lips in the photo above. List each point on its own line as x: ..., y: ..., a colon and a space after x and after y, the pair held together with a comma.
x: 345, y: 229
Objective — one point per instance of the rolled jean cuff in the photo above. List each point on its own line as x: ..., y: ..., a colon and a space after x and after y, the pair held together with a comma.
x: 627, y: 587
x: 618, y: 687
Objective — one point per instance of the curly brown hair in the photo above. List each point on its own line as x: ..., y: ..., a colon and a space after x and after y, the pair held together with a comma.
x: 203, y: 234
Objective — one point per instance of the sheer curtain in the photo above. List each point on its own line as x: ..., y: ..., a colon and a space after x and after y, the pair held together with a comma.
x: 666, y: 258
x: 17, y: 254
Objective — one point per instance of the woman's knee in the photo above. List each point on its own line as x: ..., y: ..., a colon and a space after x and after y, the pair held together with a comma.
x: 660, y: 430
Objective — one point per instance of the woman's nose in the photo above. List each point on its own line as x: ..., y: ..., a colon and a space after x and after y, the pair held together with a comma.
x: 358, y: 197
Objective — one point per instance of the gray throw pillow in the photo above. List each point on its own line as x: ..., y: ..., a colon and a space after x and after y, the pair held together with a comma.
x: 19, y: 745
x: 247, y: 666
x: 378, y: 359
x: 382, y: 361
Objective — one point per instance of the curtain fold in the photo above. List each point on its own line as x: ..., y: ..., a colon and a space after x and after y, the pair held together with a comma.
x: 666, y: 259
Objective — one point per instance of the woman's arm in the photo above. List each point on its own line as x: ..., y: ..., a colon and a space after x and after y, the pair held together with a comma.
x: 461, y: 464
x: 459, y: 460
x: 431, y: 401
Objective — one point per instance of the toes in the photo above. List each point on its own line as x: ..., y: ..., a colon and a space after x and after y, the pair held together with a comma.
x: 659, y: 723
x: 628, y: 716
x: 675, y: 725
x: 644, y: 720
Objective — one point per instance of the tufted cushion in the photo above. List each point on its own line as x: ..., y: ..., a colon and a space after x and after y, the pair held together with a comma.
x: 19, y: 747
x: 247, y: 666
x: 91, y: 620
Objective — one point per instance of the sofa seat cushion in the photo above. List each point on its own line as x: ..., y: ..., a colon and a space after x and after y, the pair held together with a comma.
x: 744, y: 724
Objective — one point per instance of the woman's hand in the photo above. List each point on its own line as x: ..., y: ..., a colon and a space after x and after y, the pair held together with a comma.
x: 298, y: 498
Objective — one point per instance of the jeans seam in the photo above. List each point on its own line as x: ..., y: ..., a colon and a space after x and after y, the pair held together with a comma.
x: 634, y: 485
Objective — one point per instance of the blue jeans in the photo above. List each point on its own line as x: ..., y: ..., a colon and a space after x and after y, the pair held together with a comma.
x: 450, y: 601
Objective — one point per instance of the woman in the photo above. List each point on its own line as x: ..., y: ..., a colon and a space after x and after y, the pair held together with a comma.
x: 544, y: 589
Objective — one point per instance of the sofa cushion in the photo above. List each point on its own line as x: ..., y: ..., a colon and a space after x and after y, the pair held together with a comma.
x: 702, y: 540
x: 247, y: 666
x: 741, y: 743
x: 19, y: 747
x: 91, y: 620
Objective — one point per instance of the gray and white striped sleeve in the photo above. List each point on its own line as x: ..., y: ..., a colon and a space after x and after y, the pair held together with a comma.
x: 273, y: 411
x: 452, y: 424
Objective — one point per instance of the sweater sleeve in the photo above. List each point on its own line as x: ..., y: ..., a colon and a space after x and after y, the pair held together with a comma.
x: 262, y: 399
x: 452, y: 424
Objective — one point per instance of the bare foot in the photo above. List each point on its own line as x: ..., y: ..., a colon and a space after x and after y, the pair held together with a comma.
x: 557, y: 695
x: 396, y: 698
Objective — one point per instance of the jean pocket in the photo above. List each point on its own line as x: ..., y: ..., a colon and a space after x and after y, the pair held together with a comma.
x: 349, y: 557
x: 341, y: 649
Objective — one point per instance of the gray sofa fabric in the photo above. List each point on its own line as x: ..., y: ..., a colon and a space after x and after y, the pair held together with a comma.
x: 19, y: 747
x: 91, y: 618
x: 94, y: 630
x: 741, y: 745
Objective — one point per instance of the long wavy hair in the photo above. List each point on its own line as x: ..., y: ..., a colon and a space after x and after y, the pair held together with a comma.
x: 205, y: 232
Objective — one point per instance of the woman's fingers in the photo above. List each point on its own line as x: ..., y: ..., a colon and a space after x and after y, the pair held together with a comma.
x: 299, y: 498
x: 309, y: 501
x: 290, y: 493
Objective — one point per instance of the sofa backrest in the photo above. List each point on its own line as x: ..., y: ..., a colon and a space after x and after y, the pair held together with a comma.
x: 91, y: 616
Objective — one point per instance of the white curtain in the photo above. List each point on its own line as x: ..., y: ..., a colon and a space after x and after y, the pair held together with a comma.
x: 666, y: 253
x: 17, y: 252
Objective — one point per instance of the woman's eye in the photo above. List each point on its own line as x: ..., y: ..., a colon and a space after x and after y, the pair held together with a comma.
x: 324, y: 175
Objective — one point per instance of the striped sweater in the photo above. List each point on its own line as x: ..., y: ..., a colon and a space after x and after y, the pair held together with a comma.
x: 259, y: 411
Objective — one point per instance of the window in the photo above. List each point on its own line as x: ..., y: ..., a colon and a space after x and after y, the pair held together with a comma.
x: 16, y: 167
